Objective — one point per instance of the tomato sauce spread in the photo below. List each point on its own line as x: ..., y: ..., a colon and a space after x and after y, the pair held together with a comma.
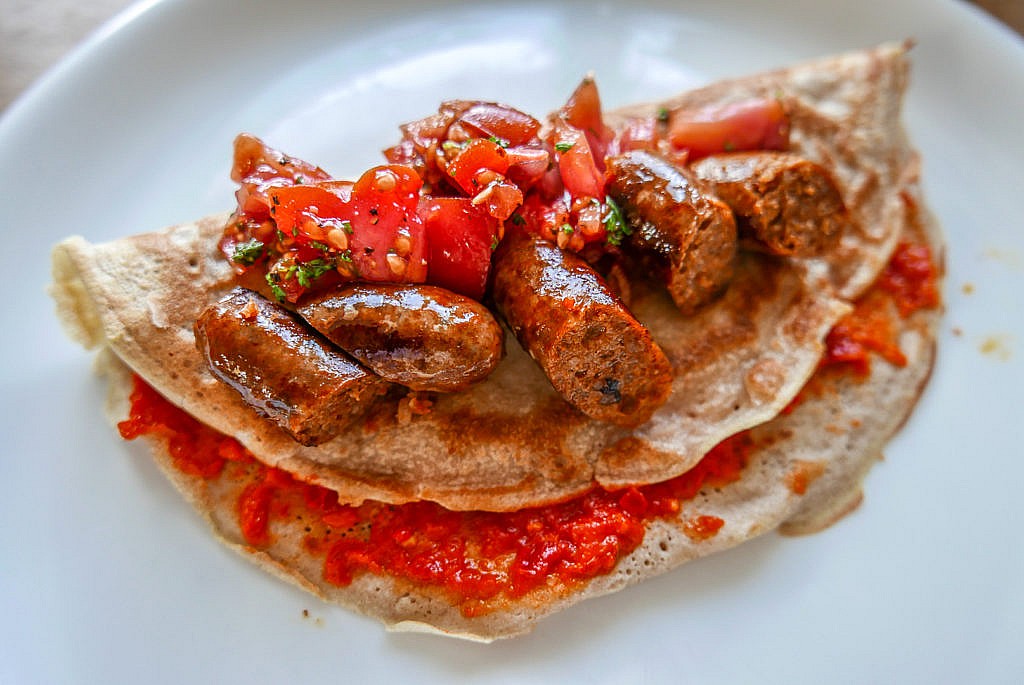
x: 908, y: 283
x: 476, y: 557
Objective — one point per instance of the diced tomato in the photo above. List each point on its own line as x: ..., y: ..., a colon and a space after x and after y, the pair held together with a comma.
x: 480, y: 155
x: 510, y: 125
x: 259, y: 167
x: 527, y: 165
x: 542, y: 218
x: 370, y: 228
x: 640, y: 133
x: 576, y: 163
x: 388, y: 242
x: 583, y: 111
x: 760, y: 124
x: 306, y: 213
x: 460, y: 237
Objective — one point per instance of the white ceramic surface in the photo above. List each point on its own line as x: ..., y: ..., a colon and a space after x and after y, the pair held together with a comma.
x: 106, y: 576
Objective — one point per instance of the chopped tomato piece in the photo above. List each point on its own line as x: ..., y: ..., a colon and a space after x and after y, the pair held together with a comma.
x: 258, y: 167
x: 509, y: 125
x: 640, y: 133
x: 368, y: 230
x: 471, y: 165
x: 460, y: 237
x: 527, y: 165
x: 583, y: 111
x: 388, y: 242
x: 760, y: 124
x: 576, y: 163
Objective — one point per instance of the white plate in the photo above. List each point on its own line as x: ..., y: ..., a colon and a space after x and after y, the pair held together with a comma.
x: 108, y: 577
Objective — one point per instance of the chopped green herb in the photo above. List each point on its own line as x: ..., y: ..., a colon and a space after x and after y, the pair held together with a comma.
x: 317, y: 245
x: 452, y: 146
x: 280, y: 235
x: 565, y: 228
x: 494, y: 243
x: 346, y: 226
x: 346, y: 256
x: 501, y: 142
x: 518, y: 219
x: 299, y: 180
x: 248, y: 252
x: 564, y: 147
x: 614, y: 224
x: 272, y: 280
x: 307, y: 272
x: 663, y: 114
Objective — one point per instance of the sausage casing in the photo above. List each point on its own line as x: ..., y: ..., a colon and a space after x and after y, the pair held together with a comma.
x: 421, y: 336
x: 592, y: 349
x: 283, y: 369
x: 787, y: 204
x: 686, y: 234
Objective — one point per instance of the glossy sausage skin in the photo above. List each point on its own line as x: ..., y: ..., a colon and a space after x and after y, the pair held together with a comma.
x: 600, y: 358
x: 786, y: 204
x: 283, y: 369
x: 421, y: 336
x: 686, y: 234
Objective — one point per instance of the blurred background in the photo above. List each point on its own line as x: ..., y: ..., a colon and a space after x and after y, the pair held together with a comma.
x: 35, y: 34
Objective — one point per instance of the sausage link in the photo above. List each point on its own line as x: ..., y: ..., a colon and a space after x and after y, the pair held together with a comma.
x: 282, y: 369
x: 421, y: 336
x: 787, y: 204
x: 600, y: 358
x: 687, y: 235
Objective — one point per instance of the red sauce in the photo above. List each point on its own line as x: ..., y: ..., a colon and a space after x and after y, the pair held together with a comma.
x: 195, y: 449
x: 911, y: 278
x: 908, y: 283
x: 476, y: 557
x: 703, y: 527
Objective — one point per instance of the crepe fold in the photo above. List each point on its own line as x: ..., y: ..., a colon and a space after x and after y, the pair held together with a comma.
x: 511, y: 442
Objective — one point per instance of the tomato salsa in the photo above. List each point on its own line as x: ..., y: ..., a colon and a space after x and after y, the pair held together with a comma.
x: 475, y: 557
x: 440, y: 206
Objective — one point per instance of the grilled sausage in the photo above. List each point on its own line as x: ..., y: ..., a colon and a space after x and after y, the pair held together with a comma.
x: 282, y: 369
x: 421, y: 336
x: 686, y: 234
x: 787, y: 204
x: 600, y: 358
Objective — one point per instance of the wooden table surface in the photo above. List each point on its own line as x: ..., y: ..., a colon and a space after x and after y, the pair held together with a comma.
x: 35, y: 34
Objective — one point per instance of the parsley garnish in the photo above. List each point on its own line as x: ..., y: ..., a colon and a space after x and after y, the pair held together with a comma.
x: 564, y: 147
x: 494, y: 243
x: 614, y: 224
x: 248, y: 252
x: 565, y: 228
x: 307, y: 272
x: 346, y: 226
x: 663, y: 114
x: 500, y: 142
x: 518, y: 219
x: 272, y: 280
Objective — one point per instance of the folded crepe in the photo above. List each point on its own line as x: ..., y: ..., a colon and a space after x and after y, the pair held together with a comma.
x: 511, y: 442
